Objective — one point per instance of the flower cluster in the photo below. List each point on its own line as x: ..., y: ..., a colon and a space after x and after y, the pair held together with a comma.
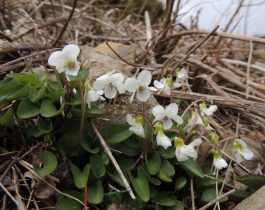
x: 111, y: 84
x: 165, y: 84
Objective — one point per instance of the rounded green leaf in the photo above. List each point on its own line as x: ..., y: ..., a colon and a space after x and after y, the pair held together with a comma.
x: 48, y: 109
x: 64, y: 202
x: 7, y: 119
x: 180, y: 183
x: 192, y: 168
x: 163, y: 199
x: 27, y: 109
x: 177, y: 206
x: 36, y: 95
x: 49, y: 164
x: 153, y: 162
x: 210, y: 194
x: 96, y: 192
x: 80, y: 177
x: 97, y: 165
x: 24, y: 91
x: 118, y: 133
x: 140, y: 184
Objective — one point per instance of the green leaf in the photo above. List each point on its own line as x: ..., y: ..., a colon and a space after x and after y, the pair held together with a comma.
x: 114, y: 176
x: 49, y: 164
x: 153, y: 162
x: 177, y: 206
x: 255, y: 181
x: 24, y: 91
x: 80, y: 177
x: 87, y: 145
x: 239, y: 195
x: 113, y: 198
x: 24, y: 77
x: 164, y: 176
x: 192, y: 168
x: 166, y: 171
x: 36, y: 95
x: 180, y: 183
x: 9, y: 88
x: 64, y: 202
x: 163, y: 199
x: 210, y: 194
x: 48, y: 109
x: 27, y: 109
x: 7, y: 119
x: 118, y: 133
x: 97, y: 165
x: 44, y: 127
x: 97, y: 192
x: 69, y: 143
x: 140, y: 184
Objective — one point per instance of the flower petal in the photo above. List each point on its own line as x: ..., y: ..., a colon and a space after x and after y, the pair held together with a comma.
x: 92, y: 96
x: 167, y: 123
x: 238, y: 157
x: 144, y: 77
x: 71, y: 51
x: 55, y: 58
x: 210, y: 110
x: 247, y: 154
x: 110, y: 92
x: 190, y: 151
x: 180, y: 156
x: 172, y: 110
x: 220, y: 163
x: 196, y: 142
x: 159, y: 85
x: 167, y: 90
x: 100, y: 82
x: 73, y: 71
x: 130, y: 120
x: 158, y: 111
x: 138, y: 130
x: 143, y: 95
x: 163, y: 140
x: 131, y: 84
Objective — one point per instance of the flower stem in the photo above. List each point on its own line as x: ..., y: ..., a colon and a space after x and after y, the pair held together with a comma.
x: 85, y: 197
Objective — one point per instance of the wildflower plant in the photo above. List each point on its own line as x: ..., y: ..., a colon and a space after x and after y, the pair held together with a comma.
x: 151, y: 149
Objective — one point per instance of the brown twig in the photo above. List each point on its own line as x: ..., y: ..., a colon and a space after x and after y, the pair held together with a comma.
x: 113, y: 160
x: 66, y: 24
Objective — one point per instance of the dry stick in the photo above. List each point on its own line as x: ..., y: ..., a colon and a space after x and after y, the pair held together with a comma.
x: 217, y: 199
x: 192, y: 194
x: 12, y: 163
x: 26, y: 165
x: 195, y: 47
x: 219, y: 100
x: 66, y: 24
x: 114, y: 162
x: 248, y: 67
x: 9, y: 195
x: 221, y: 34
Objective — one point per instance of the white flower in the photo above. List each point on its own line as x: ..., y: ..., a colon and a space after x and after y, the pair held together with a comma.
x: 93, y: 95
x: 240, y: 149
x: 197, y: 120
x: 139, y: 86
x: 183, y: 152
x: 207, y: 111
x: 164, y: 85
x: 110, y: 83
x: 66, y: 60
x: 180, y: 76
x: 218, y: 161
x: 136, y: 125
x: 161, y: 138
x: 167, y: 115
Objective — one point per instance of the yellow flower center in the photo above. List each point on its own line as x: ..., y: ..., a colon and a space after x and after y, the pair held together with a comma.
x: 70, y: 64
